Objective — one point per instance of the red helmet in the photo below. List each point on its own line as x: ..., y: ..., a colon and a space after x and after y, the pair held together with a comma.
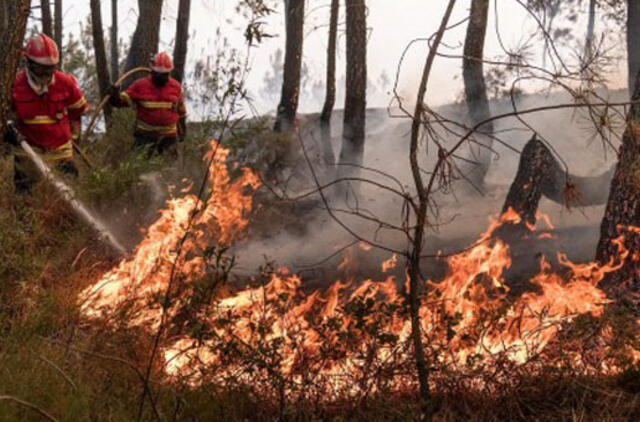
x: 162, y: 63
x: 42, y: 50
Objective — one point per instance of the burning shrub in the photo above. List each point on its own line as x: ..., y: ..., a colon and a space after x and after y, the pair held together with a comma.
x: 290, y: 348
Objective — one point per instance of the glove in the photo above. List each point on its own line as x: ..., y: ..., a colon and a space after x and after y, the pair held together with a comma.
x: 10, y: 135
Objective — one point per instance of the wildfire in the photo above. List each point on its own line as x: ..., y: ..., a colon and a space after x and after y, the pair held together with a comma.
x: 350, y: 331
x: 174, y: 245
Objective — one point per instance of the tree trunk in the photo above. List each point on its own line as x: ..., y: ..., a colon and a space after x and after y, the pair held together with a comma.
x: 330, y: 97
x: 623, y: 210
x: 475, y: 90
x: 294, y: 25
x: 633, y: 42
x: 146, y: 36
x: 588, y: 44
x: 12, y: 35
x: 414, y: 257
x: 115, y: 59
x: 182, y: 37
x: 102, y: 68
x: 539, y: 174
x: 526, y: 189
x: 355, y: 104
x: 57, y: 26
x: 4, y: 18
x: 45, y: 12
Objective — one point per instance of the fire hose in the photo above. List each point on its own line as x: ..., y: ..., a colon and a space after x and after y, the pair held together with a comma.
x: 69, y: 196
x: 102, y: 103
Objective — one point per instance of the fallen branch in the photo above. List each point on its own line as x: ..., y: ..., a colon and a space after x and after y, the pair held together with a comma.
x: 31, y: 406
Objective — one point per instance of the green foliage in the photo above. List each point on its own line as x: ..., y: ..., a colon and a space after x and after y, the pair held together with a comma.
x: 120, y: 181
x: 79, y: 60
x: 118, y: 166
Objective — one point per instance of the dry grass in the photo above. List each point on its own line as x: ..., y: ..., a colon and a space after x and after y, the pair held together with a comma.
x: 76, y: 370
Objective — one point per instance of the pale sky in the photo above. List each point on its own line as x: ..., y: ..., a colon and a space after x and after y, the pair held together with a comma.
x: 393, y: 24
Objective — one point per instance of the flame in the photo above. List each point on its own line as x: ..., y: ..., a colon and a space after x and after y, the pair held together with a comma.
x: 390, y: 264
x: 174, y: 244
x: 470, y: 318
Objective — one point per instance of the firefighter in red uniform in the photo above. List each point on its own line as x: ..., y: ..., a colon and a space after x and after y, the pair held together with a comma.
x: 47, y: 105
x: 160, y: 110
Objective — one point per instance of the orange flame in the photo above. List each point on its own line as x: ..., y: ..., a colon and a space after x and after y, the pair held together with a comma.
x: 470, y: 316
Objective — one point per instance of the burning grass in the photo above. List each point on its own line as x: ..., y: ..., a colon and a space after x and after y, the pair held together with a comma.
x: 279, y: 350
x: 291, y: 349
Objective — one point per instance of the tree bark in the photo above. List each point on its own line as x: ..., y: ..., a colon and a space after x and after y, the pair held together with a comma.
x: 12, y: 35
x: 182, y: 37
x: 355, y: 104
x: 588, y: 44
x: 4, y: 18
x: 146, y: 36
x: 330, y: 97
x: 115, y: 59
x: 475, y: 90
x: 102, y: 69
x: 623, y: 210
x: 294, y: 25
x: 45, y: 12
x: 633, y: 42
x: 526, y: 189
x: 57, y: 26
x: 539, y: 174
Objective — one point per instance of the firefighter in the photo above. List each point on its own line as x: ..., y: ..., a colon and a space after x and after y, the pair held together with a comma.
x: 160, y: 111
x: 47, y: 106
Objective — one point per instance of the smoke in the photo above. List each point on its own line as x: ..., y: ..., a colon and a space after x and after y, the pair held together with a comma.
x: 310, y: 236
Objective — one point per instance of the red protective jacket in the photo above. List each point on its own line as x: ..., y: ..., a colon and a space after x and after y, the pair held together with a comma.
x: 158, y: 108
x: 44, y: 119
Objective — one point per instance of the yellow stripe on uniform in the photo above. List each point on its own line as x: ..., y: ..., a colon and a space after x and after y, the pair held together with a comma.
x: 40, y: 120
x: 125, y: 97
x: 156, y: 104
x: 78, y: 104
x: 163, y: 130
x: 62, y: 153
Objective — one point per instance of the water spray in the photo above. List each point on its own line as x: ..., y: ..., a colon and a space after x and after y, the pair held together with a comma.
x: 69, y: 195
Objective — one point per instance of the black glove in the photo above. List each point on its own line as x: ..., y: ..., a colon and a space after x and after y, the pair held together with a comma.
x: 10, y: 135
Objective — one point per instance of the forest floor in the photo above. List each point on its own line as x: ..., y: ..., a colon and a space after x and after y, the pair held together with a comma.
x: 53, y: 358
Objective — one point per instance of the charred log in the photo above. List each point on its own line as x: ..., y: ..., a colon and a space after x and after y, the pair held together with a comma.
x: 540, y: 174
x: 526, y: 190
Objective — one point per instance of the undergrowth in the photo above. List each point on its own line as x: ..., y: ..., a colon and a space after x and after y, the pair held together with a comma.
x: 75, y: 369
